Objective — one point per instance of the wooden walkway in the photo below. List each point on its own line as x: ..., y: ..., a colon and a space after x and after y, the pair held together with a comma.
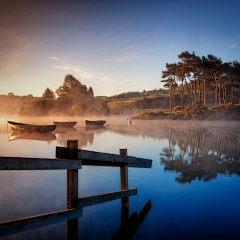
x: 72, y: 159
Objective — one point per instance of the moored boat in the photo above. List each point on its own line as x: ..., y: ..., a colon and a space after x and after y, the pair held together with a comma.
x: 95, y: 123
x: 65, y: 124
x: 23, y: 127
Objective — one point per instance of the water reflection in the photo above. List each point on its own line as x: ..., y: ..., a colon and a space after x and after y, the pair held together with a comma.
x: 64, y: 130
x: 131, y: 225
x: 94, y: 128
x: 201, y: 153
x: 32, y: 136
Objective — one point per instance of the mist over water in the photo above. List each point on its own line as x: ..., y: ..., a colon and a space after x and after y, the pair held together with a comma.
x: 193, y: 183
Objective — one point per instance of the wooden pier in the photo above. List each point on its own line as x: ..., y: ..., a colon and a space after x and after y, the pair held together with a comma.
x: 72, y: 159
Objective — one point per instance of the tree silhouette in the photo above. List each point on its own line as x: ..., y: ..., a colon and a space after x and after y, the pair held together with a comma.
x: 170, y: 82
x: 90, y: 92
x: 71, y: 89
x: 48, y: 94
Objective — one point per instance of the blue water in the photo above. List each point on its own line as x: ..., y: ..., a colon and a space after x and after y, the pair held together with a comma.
x: 193, y: 196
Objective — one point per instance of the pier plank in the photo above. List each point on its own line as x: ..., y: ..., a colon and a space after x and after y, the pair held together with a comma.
x: 103, y: 159
x: 101, y: 198
x: 26, y: 163
x: 23, y: 224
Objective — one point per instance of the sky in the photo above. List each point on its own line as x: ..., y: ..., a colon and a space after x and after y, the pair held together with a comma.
x: 114, y: 46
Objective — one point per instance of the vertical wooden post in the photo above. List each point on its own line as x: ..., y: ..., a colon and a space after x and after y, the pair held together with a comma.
x: 72, y: 191
x: 124, y: 185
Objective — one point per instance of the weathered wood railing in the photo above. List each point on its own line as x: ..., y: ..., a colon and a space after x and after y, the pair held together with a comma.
x: 72, y: 159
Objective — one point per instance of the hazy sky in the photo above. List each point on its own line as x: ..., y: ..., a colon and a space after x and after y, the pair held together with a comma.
x: 114, y: 46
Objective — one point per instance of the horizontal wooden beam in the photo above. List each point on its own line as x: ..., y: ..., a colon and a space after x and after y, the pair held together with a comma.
x: 101, y: 198
x: 103, y: 159
x: 23, y: 224
x: 18, y: 163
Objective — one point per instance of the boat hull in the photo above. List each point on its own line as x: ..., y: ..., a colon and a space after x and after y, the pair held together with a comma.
x: 21, y: 127
x: 65, y: 124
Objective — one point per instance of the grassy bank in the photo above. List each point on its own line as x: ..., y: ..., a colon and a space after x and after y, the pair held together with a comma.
x: 125, y: 107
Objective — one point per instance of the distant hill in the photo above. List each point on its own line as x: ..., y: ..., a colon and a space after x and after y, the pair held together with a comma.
x: 151, y: 93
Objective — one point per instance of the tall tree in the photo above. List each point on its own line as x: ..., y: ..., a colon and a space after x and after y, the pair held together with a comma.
x: 181, y: 76
x: 212, y: 70
x: 71, y: 89
x: 170, y: 82
x: 193, y: 69
x: 90, y: 92
x: 48, y: 94
x: 235, y: 80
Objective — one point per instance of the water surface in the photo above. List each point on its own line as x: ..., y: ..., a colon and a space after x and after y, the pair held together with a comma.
x: 193, y: 184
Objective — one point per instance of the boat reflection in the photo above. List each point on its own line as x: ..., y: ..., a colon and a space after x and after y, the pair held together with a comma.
x: 32, y: 136
x: 65, y: 129
x: 201, y: 154
x: 94, y: 128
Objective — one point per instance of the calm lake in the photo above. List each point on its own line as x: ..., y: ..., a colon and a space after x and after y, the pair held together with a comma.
x: 193, y: 184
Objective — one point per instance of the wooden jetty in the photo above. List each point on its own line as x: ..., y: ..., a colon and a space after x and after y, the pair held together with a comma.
x: 72, y: 159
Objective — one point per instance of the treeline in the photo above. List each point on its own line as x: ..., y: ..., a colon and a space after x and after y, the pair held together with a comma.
x: 10, y: 104
x: 140, y: 94
x: 200, y: 77
x: 72, y: 98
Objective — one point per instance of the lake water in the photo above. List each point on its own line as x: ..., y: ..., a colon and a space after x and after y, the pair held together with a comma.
x: 193, y: 184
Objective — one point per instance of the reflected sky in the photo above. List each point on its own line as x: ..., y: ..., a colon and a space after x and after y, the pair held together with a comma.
x: 193, y: 183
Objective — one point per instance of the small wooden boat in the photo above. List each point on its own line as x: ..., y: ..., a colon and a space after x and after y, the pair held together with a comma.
x: 22, y: 127
x: 94, y: 123
x: 65, y: 124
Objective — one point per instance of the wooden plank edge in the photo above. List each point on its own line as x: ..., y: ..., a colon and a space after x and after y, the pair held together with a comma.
x: 19, y: 163
x: 62, y: 152
x: 23, y: 224
x: 101, y: 198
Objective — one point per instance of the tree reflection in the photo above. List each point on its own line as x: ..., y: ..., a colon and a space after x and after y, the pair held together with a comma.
x: 201, y: 153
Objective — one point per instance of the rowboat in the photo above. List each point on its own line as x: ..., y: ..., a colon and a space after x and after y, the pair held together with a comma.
x: 94, y: 123
x: 65, y: 124
x: 22, y: 127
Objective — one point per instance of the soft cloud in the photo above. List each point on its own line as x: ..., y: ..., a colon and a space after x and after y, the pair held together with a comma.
x: 85, y: 75
x: 54, y: 58
x: 105, y: 79
x: 121, y: 59
x: 77, y: 69
x: 232, y: 46
x: 129, y: 81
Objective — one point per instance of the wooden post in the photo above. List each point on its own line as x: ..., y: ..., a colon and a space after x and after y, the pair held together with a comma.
x: 124, y: 186
x: 72, y: 191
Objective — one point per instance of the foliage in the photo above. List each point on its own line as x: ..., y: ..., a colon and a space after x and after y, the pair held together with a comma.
x: 90, y: 92
x: 72, y: 90
x: 48, y: 94
x: 75, y: 110
x: 201, y: 76
x: 177, y: 108
x: 127, y: 95
x: 229, y: 108
x: 11, y: 104
x: 196, y: 111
